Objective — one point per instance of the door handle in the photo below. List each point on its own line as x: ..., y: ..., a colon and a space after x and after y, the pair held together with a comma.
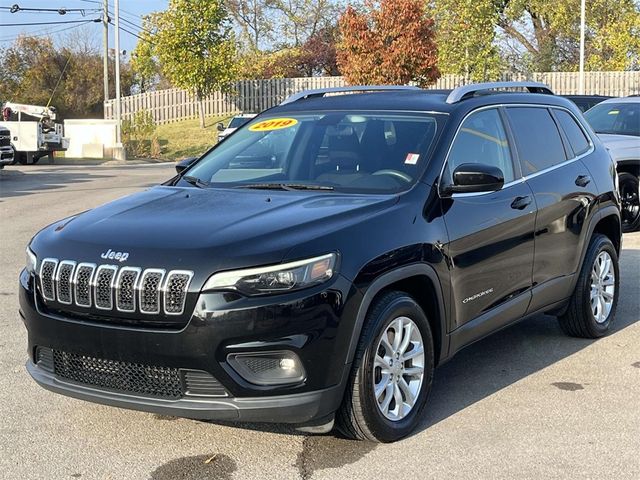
x: 520, y: 203
x: 583, y: 180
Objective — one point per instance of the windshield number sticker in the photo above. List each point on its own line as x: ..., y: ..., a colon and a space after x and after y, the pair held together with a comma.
x: 412, y: 159
x: 273, y: 124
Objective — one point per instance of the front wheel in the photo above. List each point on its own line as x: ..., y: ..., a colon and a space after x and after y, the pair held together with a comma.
x: 392, y: 372
x: 630, y: 198
x: 592, y: 306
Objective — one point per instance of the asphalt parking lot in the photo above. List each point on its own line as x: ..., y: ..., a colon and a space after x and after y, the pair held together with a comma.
x: 527, y: 402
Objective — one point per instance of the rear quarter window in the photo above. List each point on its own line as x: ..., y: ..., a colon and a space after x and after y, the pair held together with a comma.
x: 537, y: 138
x: 576, y: 136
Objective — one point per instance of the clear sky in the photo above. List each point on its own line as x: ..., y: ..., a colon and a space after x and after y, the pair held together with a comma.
x: 131, y: 12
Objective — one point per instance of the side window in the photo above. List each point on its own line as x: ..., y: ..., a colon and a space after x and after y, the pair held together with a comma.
x: 482, y: 139
x: 577, y: 139
x: 537, y: 138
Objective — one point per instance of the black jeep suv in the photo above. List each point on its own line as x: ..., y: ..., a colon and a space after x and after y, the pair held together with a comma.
x: 322, y: 260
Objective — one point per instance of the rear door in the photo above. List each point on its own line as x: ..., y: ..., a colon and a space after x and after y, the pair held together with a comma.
x: 564, y: 193
x: 490, y: 233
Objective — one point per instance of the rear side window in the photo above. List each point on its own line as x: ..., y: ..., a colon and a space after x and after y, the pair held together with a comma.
x: 537, y: 138
x: 577, y: 139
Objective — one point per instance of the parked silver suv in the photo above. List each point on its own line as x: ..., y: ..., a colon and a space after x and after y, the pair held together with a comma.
x: 617, y: 123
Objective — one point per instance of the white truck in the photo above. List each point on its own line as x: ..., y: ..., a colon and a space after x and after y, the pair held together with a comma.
x: 31, y: 140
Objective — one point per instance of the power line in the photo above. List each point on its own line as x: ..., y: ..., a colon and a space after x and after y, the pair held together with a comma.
x: 132, y: 24
x: 135, y: 35
x: 96, y: 20
x: 45, y: 33
x: 60, y: 11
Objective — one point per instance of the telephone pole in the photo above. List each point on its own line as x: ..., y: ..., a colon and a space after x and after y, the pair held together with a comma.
x: 582, y: 29
x: 117, y: 47
x: 105, y: 47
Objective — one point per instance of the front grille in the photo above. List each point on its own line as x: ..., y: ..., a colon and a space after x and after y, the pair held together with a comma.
x: 5, y: 139
x: 126, y: 377
x: 47, y: 271
x: 103, y: 286
x: 124, y: 289
x: 174, y: 297
x: 121, y: 376
x: 64, y: 274
x: 150, y: 289
x: 82, y: 284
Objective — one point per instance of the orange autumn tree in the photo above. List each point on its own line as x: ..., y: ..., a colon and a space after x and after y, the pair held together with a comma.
x: 388, y: 42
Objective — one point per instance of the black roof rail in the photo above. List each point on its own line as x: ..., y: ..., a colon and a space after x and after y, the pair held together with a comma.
x: 321, y: 92
x: 466, y: 91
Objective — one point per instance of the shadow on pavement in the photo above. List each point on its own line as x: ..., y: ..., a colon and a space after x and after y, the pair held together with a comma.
x: 512, y: 354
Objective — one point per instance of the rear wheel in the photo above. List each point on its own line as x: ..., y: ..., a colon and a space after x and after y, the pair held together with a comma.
x: 592, y: 307
x: 392, y: 372
x: 630, y: 198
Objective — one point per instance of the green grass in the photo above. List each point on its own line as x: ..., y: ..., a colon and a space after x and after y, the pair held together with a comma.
x: 184, y: 139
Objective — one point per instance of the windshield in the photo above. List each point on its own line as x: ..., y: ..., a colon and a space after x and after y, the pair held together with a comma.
x: 237, y: 122
x: 615, y: 118
x: 354, y: 152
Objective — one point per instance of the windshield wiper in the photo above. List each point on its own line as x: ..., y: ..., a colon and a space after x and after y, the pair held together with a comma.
x: 286, y: 186
x: 195, y: 181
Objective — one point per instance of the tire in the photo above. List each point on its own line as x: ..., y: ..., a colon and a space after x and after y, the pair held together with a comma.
x: 630, y: 197
x: 580, y: 319
x: 361, y: 416
x: 22, y: 157
x: 15, y: 155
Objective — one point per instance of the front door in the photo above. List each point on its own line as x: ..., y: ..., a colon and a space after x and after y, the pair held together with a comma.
x: 490, y: 234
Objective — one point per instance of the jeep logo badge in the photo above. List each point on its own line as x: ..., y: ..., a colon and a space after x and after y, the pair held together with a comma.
x: 111, y: 255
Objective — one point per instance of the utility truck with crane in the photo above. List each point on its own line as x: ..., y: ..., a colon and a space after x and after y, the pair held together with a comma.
x: 33, y: 139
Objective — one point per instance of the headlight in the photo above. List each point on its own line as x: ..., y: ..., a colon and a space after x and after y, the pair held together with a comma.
x: 277, y: 278
x: 31, y: 261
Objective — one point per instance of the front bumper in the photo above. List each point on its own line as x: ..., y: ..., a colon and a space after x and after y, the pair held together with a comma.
x: 315, y: 325
x: 300, y: 408
x: 6, y: 156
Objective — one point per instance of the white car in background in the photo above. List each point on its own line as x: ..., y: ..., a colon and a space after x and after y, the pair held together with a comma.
x: 617, y: 123
x: 235, y: 123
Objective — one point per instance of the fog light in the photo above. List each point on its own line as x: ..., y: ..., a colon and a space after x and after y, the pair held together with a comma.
x: 287, y: 364
x: 268, y: 368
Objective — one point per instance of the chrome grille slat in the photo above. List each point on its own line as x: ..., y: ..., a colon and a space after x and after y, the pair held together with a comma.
x: 47, y: 273
x: 82, y: 284
x: 152, y: 291
x: 126, y: 285
x: 175, y: 291
x: 103, y: 285
x: 63, y: 278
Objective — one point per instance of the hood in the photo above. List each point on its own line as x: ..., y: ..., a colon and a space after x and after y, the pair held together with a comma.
x: 621, y: 147
x: 182, y: 227
x: 227, y: 131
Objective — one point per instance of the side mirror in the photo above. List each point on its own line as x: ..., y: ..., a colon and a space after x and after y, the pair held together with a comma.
x: 220, y: 127
x: 476, y: 177
x: 182, y: 165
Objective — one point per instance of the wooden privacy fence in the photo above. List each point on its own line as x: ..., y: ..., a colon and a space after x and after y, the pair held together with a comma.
x: 257, y: 95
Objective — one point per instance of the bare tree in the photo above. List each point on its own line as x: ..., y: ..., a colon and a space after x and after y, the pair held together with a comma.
x: 252, y: 16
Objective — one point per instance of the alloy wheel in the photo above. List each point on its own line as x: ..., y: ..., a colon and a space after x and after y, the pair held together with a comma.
x: 603, y: 280
x: 398, y: 369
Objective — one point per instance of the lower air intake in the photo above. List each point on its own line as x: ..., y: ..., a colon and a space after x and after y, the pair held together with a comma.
x: 148, y: 380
